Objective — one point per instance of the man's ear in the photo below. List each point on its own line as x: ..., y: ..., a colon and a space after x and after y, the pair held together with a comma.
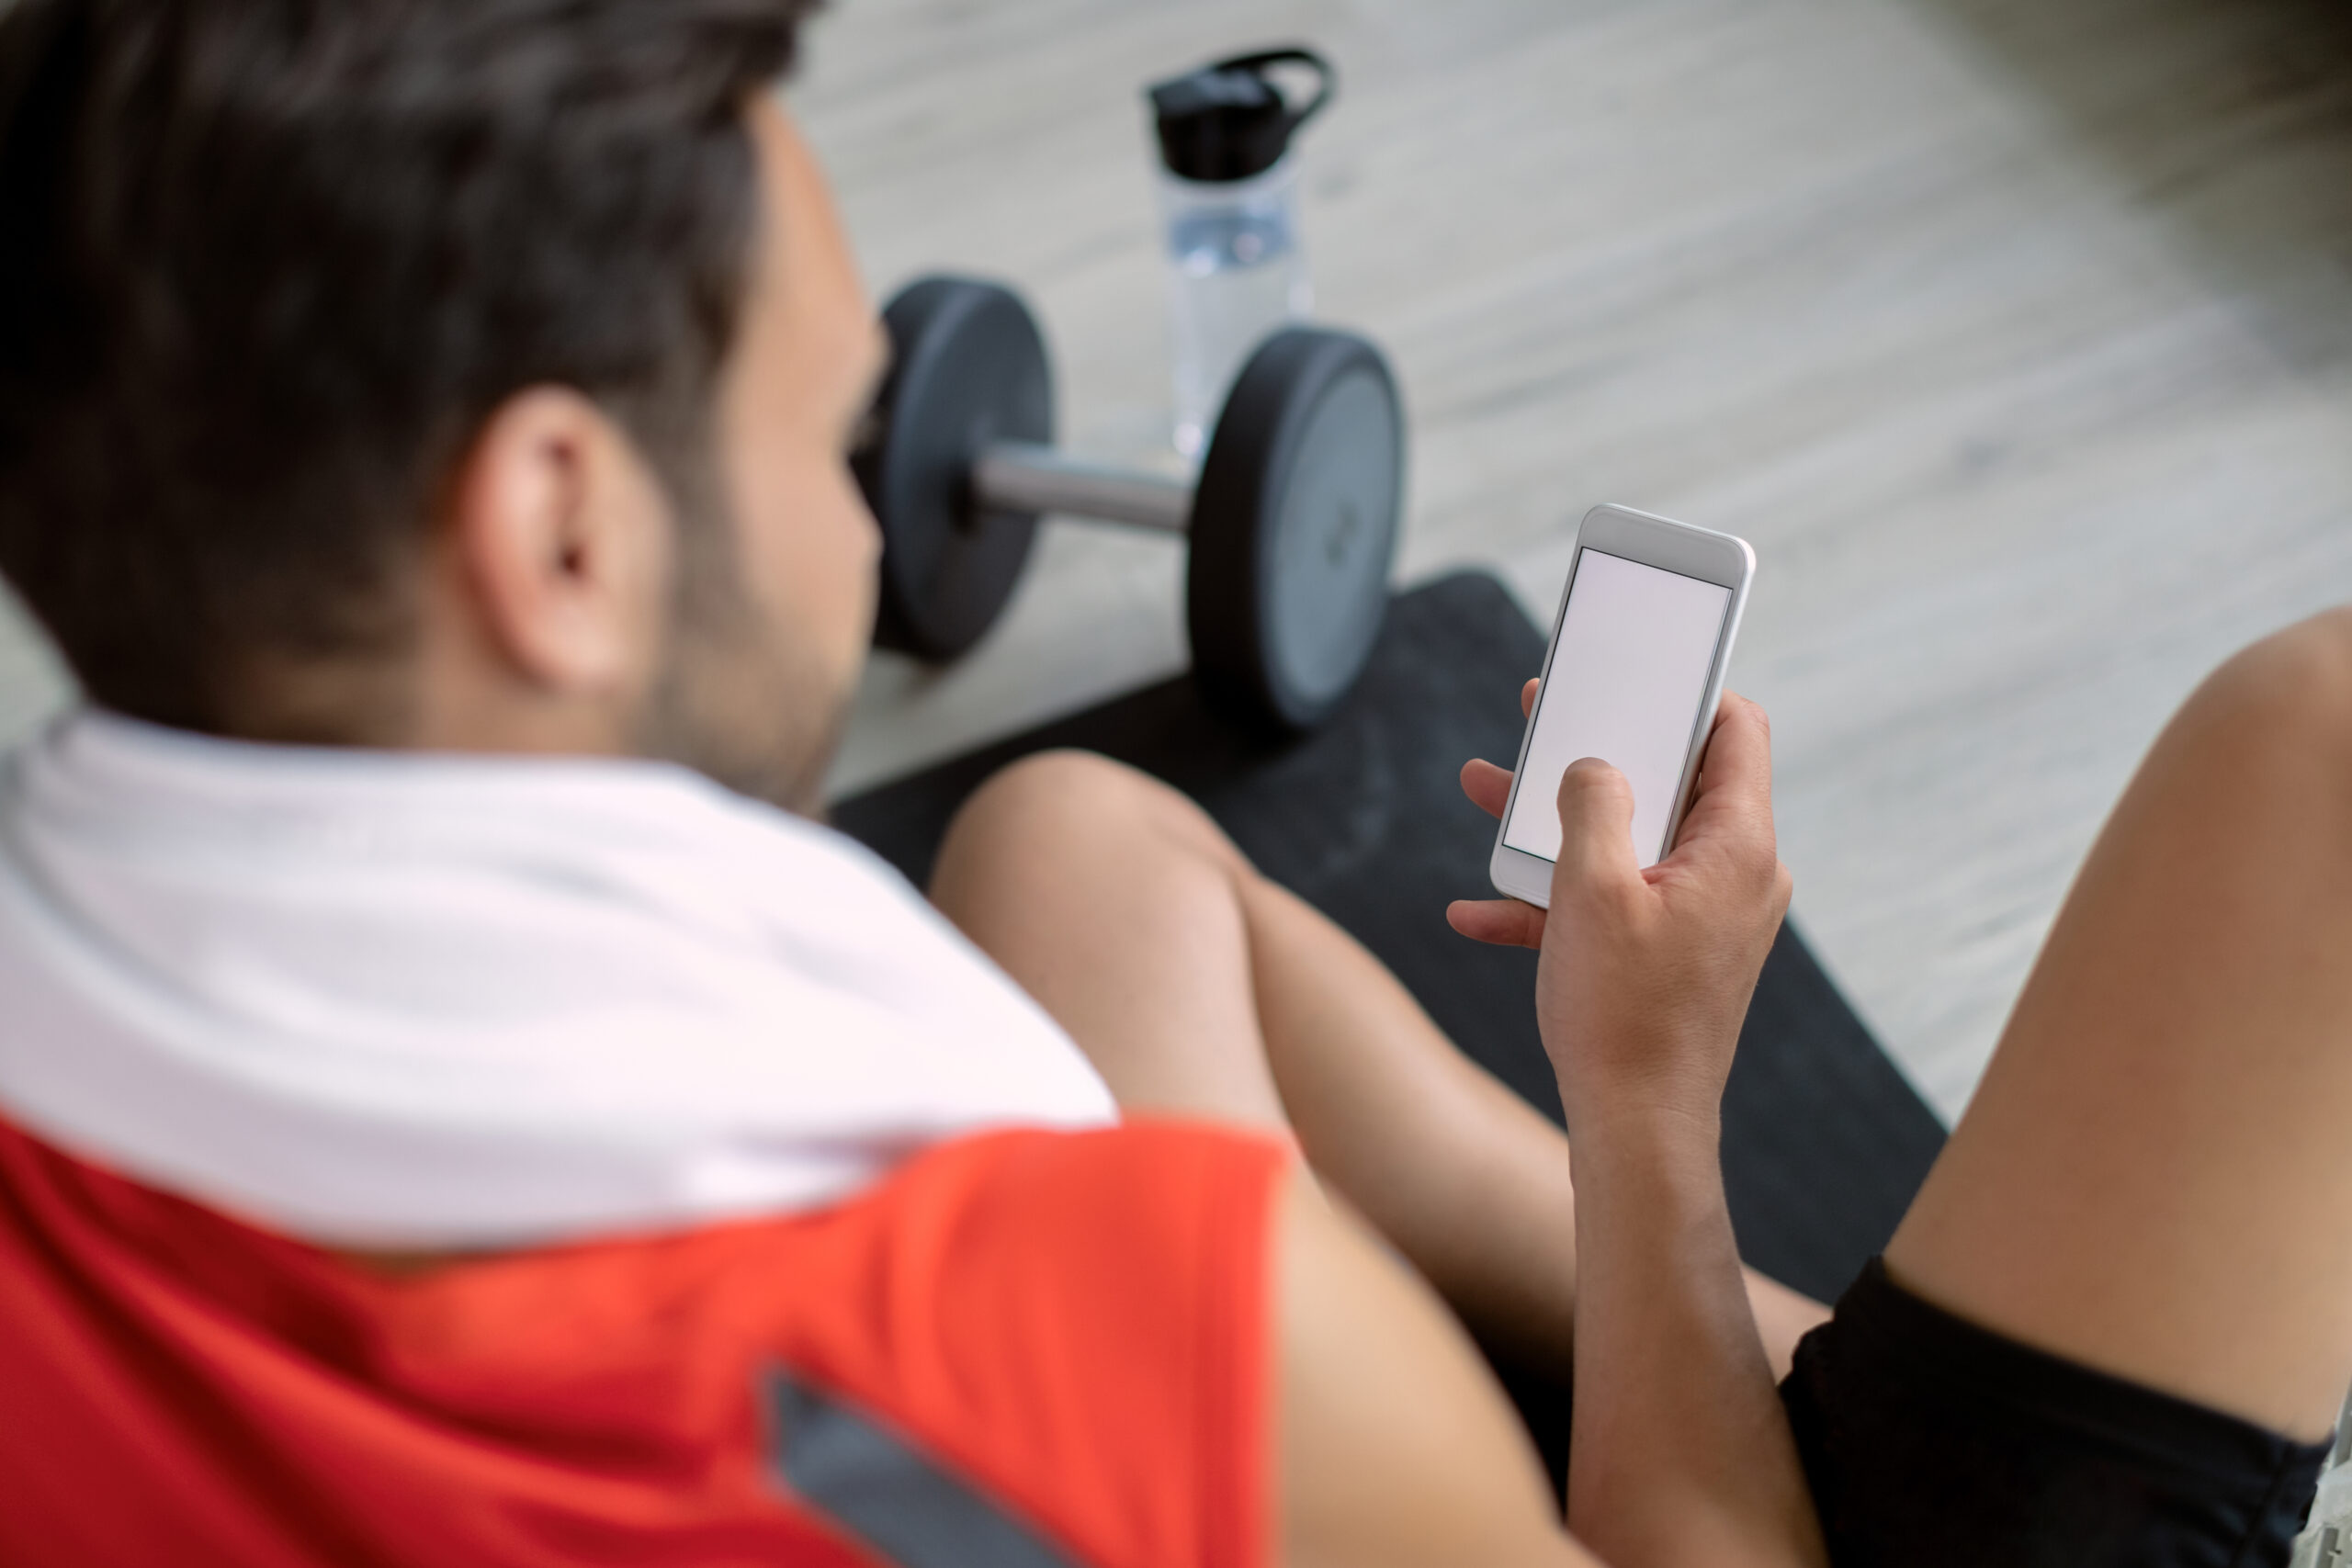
x: 557, y: 543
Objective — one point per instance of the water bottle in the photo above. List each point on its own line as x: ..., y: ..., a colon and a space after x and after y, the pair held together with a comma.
x: 1228, y: 195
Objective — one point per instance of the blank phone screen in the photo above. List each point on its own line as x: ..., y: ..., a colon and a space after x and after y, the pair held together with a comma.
x: 1626, y: 684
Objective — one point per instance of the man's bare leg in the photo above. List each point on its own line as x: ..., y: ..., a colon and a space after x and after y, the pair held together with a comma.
x: 2154, y: 1176
x: 1199, y: 987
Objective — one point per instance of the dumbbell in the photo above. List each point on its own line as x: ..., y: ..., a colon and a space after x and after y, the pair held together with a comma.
x: 1292, y: 519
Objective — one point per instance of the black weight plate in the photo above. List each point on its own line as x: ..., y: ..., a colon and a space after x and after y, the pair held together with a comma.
x: 968, y: 368
x: 1295, y: 529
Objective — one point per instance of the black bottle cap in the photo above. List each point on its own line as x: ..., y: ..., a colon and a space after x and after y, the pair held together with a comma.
x: 1228, y: 121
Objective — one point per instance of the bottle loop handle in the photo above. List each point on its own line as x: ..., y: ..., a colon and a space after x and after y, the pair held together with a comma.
x: 1326, y: 79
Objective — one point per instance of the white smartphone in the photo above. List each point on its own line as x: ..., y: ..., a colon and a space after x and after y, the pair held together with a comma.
x: 1634, y: 675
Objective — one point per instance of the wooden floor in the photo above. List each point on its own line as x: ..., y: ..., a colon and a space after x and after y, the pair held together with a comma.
x: 2018, y: 337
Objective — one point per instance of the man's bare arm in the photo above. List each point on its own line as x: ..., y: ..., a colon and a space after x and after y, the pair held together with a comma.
x: 1681, y: 1452
x: 1397, y: 1448
x: 1680, y: 1448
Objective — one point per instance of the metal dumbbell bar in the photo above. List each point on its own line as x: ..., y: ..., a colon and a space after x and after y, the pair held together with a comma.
x: 1292, y: 519
x: 1021, y: 476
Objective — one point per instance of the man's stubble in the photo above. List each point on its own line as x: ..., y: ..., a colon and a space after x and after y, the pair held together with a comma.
x: 739, y: 697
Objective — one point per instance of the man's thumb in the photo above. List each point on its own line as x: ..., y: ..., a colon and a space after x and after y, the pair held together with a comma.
x: 1596, y: 827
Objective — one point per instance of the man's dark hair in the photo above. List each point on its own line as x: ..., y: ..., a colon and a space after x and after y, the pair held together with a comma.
x: 266, y: 267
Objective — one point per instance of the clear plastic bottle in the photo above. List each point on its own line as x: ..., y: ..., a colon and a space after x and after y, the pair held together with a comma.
x: 1228, y: 199
x: 1236, y: 271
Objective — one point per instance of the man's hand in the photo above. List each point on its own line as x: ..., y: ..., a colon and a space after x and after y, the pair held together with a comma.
x: 1647, y: 973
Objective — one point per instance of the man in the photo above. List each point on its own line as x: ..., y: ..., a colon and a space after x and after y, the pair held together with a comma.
x: 444, y: 1119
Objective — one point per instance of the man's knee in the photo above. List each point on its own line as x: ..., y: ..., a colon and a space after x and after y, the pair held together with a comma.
x: 2257, y: 761
x: 1059, y: 807
x: 2287, y: 700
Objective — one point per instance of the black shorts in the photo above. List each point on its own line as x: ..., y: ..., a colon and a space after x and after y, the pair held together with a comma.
x: 1930, y: 1442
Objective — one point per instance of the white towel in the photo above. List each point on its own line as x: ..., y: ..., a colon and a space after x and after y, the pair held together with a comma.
x: 424, y: 1000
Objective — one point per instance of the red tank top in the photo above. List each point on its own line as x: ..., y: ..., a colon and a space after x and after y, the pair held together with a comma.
x: 1024, y: 1348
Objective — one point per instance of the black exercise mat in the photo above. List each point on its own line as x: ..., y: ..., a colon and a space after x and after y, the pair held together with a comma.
x: 1824, y: 1141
